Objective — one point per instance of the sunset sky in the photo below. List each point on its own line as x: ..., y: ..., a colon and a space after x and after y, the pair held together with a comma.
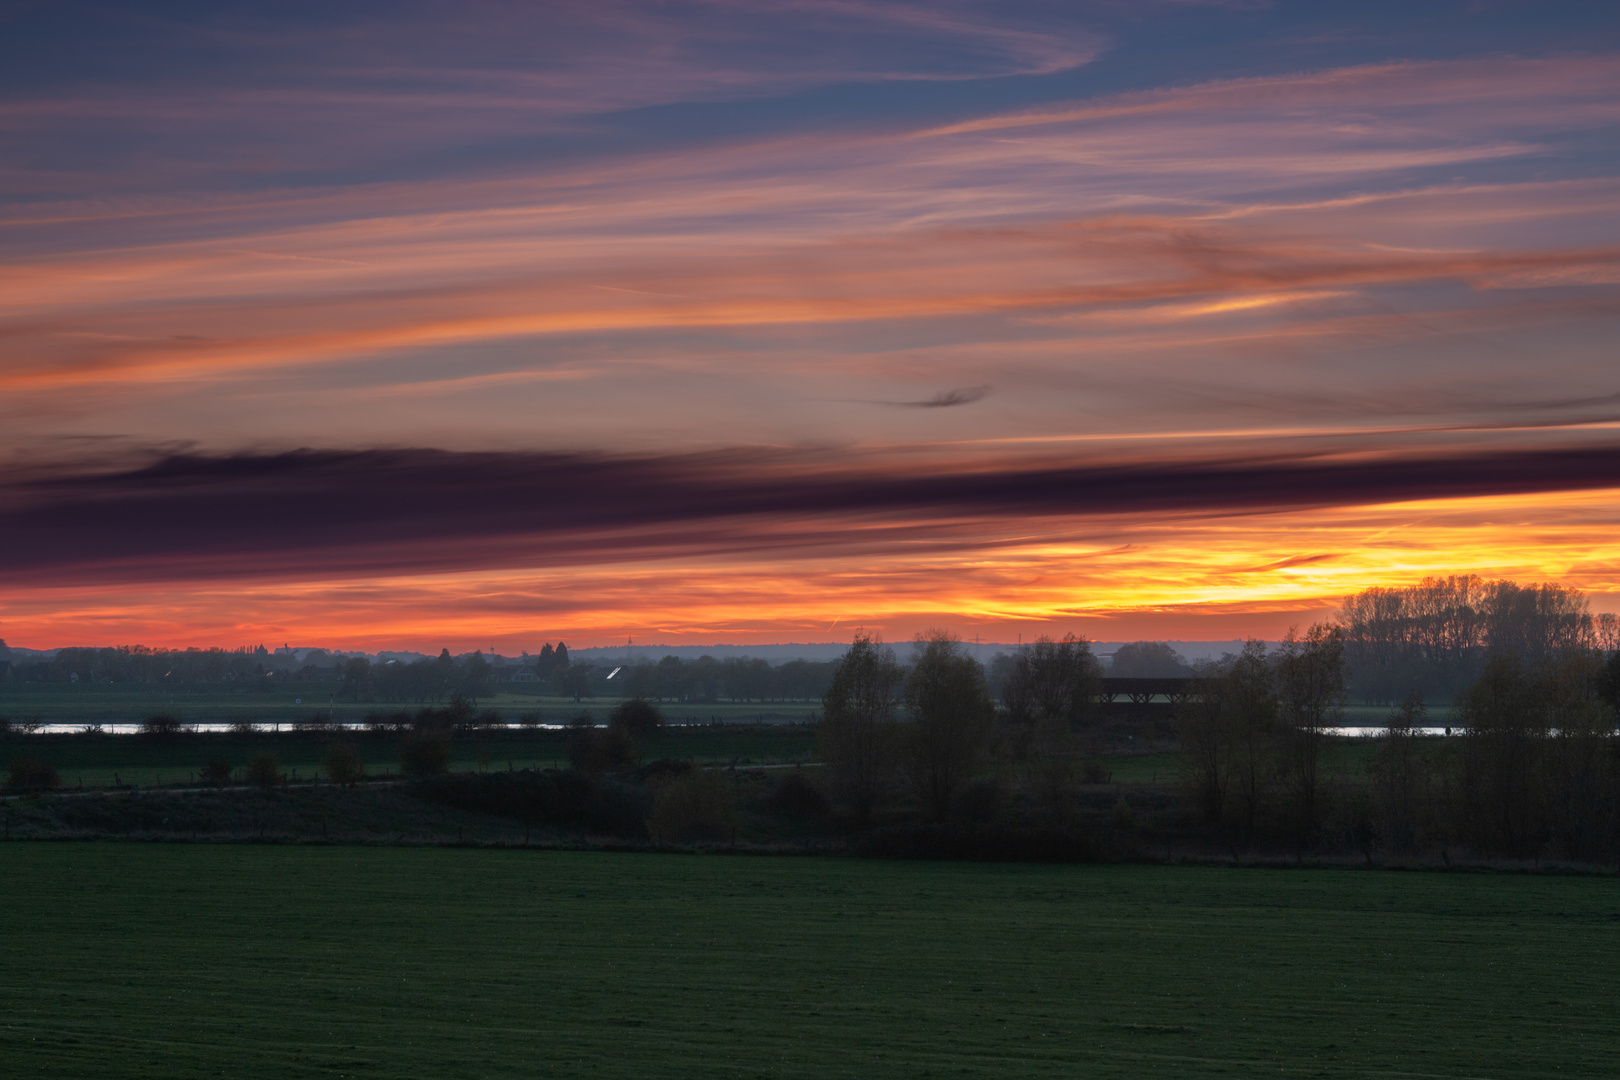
x: 415, y: 325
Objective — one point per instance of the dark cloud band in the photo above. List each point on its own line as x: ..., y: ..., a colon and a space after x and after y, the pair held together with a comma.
x: 321, y: 512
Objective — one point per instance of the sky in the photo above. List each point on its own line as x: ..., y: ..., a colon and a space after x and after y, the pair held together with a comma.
x: 400, y: 326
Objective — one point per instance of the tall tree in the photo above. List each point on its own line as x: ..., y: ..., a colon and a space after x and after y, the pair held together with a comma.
x: 856, y: 732
x: 1147, y: 660
x: 1310, y: 684
x: 1053, y: 680
x: 1249, y: 701
x: 952, y: 712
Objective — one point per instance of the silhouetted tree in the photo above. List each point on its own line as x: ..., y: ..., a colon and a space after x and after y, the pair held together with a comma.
x: 356, y: 679
x: 1052, y: 679
x: 951, y: 710
x: 264, y: 771
x: 856, y: 732
x: 217, y: 772
x: 26, y: 774
x: 1400, y: 773
x: 1502, y: 734
x: 636, y: 717
x: 1204, y: 722
x: 1147, y: 660
x: 344, y: 764
x: 1249, y: 708
x: 1310, y: 685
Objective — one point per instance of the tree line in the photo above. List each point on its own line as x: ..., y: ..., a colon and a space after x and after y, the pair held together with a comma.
x: 1436, y: 637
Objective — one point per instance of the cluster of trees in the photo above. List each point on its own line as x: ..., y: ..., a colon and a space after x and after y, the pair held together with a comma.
x: 420, y: 682
x: 953, y: 729
x: 140, y: 664
x: 1436, y: 637
x: 1253, y: 728
x: 732, y: 679
x: 1535, y: 769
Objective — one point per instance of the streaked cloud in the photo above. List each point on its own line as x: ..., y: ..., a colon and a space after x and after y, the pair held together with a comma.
x: 641, y: 271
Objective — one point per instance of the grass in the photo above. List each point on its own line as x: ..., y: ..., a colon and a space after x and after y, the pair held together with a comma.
x: 101, y: 761
x: 83, y: 703
x: 199, y: 960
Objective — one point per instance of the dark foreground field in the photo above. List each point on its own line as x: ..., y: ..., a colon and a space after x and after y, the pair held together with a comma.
x: 244, y: 961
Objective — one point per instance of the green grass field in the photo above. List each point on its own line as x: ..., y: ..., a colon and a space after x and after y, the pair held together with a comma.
x: 85, y: 703
x: 100, y: 761
x: 179, y: 961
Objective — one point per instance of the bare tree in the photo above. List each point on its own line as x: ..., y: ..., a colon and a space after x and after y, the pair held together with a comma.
x: 952, y: 711
x: 1056, y: 680
x: 1400, y: 773
x: 1310, y: 684
x: 1249, y: 706
x: 1203, y: 720
x: 855, y: 734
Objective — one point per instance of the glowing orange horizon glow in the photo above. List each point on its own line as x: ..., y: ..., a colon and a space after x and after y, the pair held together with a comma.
x: 1181, y: 577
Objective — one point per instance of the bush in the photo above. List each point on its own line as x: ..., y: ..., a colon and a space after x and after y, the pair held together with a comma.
x: 656, y: 772
x: 343, y: 764
x: 264, y: 771
x: 27, y: 774
x: 217, y: 772
x: 636, y: 717
x: 425, y: 753
x: 161, y: 725
x: 1095, y: 772
x: 242, y: 727
x: 700, y: 806
x: 601, y: 750
x: 797, y: 797
x: 530, y: 719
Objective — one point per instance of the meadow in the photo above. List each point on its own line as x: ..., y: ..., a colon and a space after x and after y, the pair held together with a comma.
x: 181, y: 960
x: 106, y: 761
x: 128, y: 703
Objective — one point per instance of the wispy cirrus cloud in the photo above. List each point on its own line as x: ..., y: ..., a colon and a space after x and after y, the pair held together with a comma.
x: 606, y: 239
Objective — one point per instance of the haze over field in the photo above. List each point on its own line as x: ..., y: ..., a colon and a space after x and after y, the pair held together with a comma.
x: 406, y: 326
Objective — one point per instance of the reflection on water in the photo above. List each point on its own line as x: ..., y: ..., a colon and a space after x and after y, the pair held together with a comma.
x: 1351, y: 731
x: 135, y: 728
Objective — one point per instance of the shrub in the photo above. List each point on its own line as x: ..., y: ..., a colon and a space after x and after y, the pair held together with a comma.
x: 217, y: 772
x: 530, y: 719
x: 242, y: 727
x: 636, y: 717
x: 1095, y: 772
x: 797, y: 797
x: 161, y: 725
x: 425, y: 753
x: 27, y: 774
x: 264, y: 771
x: 601, y: 750
x: 700, y: 806
x: 343, y: 764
